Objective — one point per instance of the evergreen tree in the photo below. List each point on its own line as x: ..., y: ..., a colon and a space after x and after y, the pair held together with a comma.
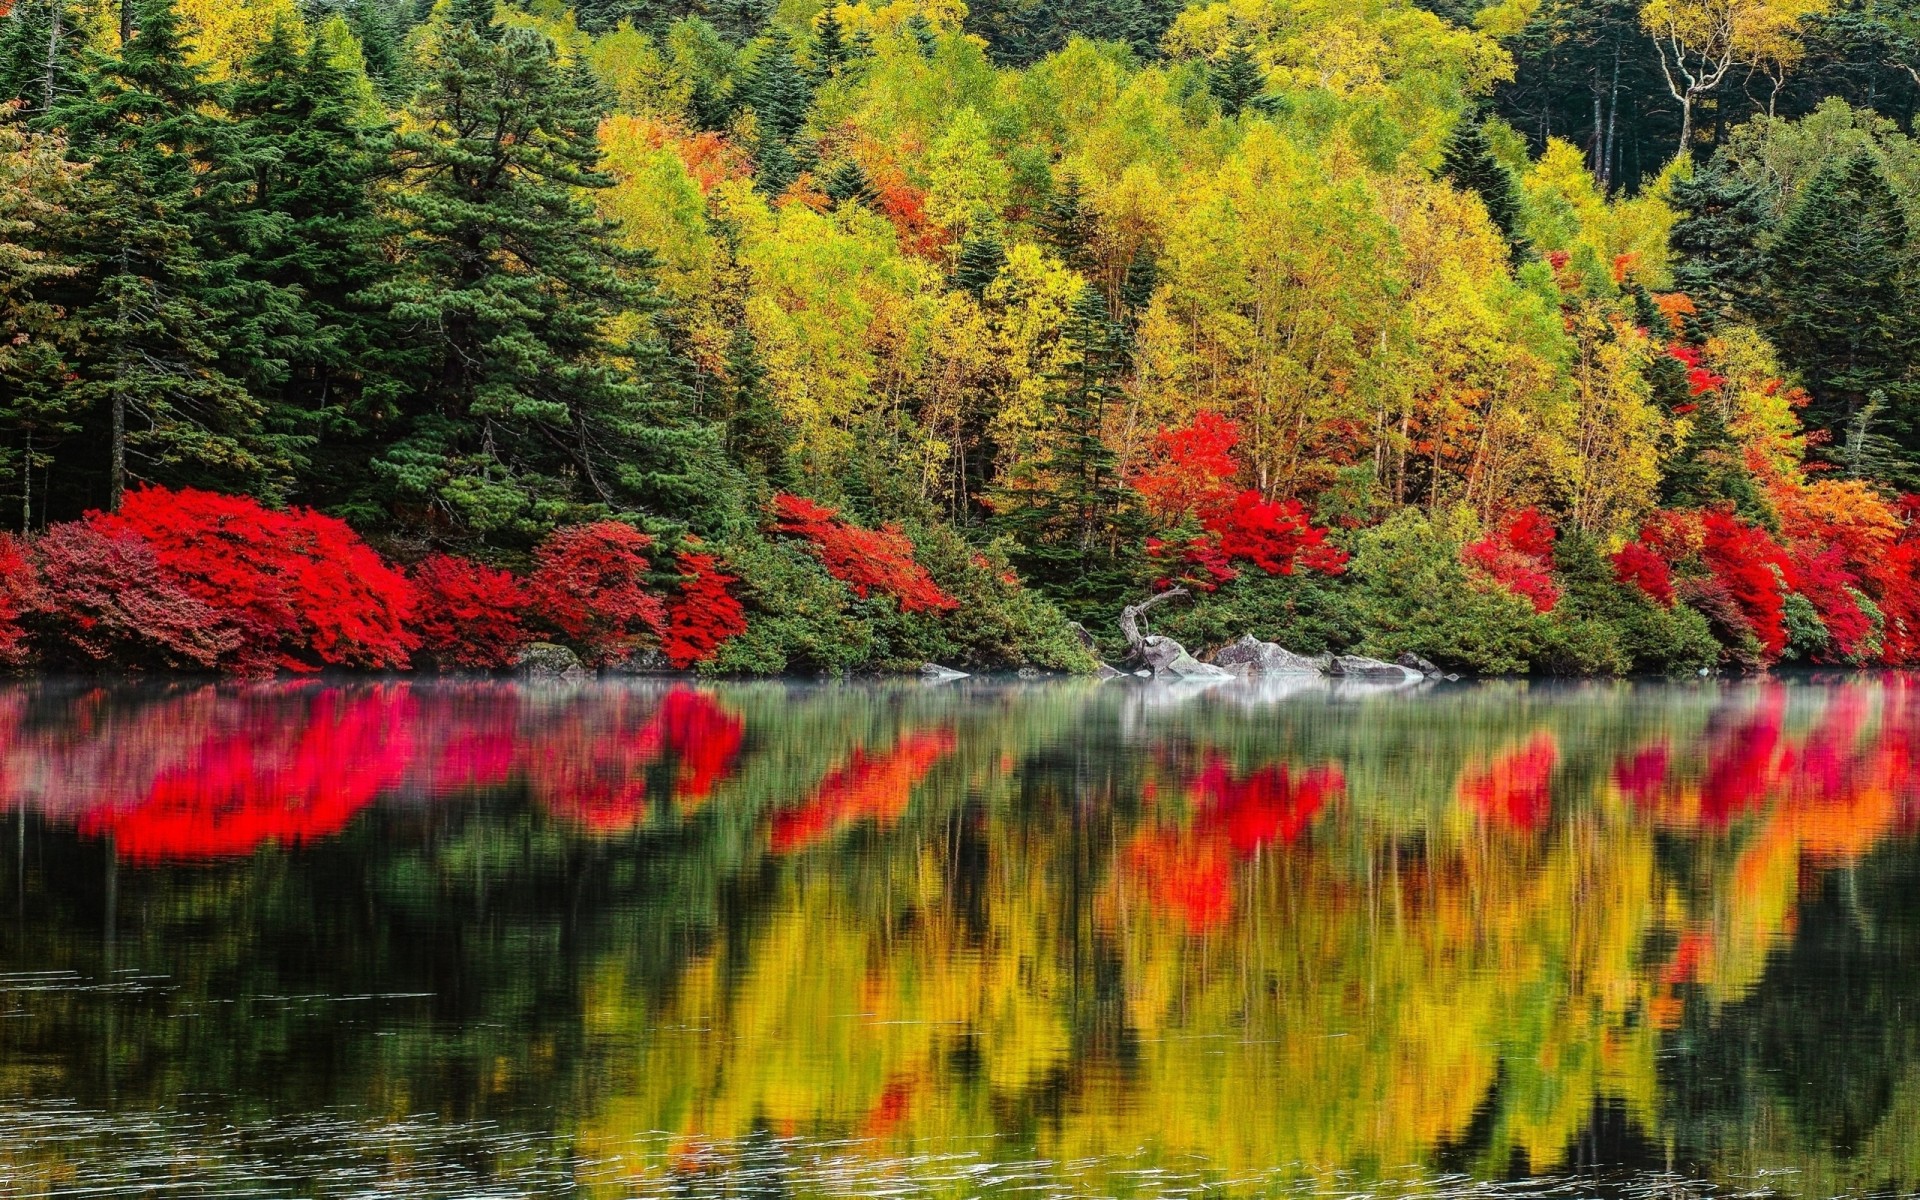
x: 1237, y: 80
x: 847, y: 183
x: 778, y: 92
x: 1708, y: 470
x: 978, y: 264
x: 1837, y: 301
x: 1067, y: 510
x: 829, y: 46
x: 305, y: 220
x: 1137, y: 287
x: 152, y: 333
x: 756, y: 435
x: 41, y: 47
x: 1469, y: 163
x: 528, y: 413
x: 1716, y: 241
x: 1069, y: 226
x: 1866, y: 453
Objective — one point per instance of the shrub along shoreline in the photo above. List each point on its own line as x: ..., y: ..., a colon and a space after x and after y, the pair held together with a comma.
x: 200, y: 582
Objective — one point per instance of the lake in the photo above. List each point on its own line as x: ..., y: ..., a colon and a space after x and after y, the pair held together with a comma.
x: 485, y: 939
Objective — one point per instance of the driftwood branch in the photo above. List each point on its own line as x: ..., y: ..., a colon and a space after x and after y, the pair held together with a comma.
x: 1131, y: 614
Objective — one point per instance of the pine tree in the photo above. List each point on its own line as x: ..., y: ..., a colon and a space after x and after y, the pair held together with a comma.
x: 1237, y: 79
x: 1716, y: 241
x: 305, y: 222
x: 528, y: 413
x: 1067, y: 510
x: 152, y: 333
x: 777, y: 91
x: 1838, y: 304
x: 1137, y: 287
x: 756, y: 435
x: 1469, y: 163
x: 1708, y: 470
x: 978, y: 264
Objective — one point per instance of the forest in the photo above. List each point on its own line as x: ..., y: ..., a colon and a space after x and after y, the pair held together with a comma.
x: 1543, y: 336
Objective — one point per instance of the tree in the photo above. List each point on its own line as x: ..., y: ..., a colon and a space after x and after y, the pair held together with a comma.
x: 1838, y: 302
x: 528, y: 409
x: 1237, y: 79
x: 1699, y: 41
x: 41, y: 43
x: 1069, y: 226
x: 37, y: 189
x: 829, y: 45
x: 302, y: 220
x: 150, y: 328
x: 777, y: 91
x: 1469, y: 163
x: 1067, y: 509
x: 978, y: 264
x: 1716, y: 240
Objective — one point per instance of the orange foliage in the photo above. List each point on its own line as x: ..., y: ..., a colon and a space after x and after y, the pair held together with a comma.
x: 867, y: 788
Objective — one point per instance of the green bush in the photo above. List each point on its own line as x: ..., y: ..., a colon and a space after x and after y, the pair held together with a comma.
x: 1307, y: 612
x: 1414, y: 595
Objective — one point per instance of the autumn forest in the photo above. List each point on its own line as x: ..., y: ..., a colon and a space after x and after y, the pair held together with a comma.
x: 770, y: 336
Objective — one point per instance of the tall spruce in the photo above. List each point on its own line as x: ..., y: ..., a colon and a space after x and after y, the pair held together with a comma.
x: 1237, y: 80
x: 1839, y: 303
x: 305, y: 218
x: 1068, y: 225
x: 528, y: 411
x: 42, y: 43
x: 778, y: 92
x: 153, y: 335
x: 1716, y: 241
x: 1468, y: 162
x: 1067, y: 508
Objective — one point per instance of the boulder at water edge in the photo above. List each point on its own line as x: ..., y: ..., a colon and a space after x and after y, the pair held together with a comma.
x: 546, y: 660
x: 1372, y: 670
x: 1251, y: 656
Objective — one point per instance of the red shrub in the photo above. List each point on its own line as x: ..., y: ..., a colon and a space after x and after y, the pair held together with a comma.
x: 1752, y: 567
x: 1274, y: 535
x: 19, y: 594
x: 867, y: 560
x: 703, y: 613
x: 305, y: 588
x: 107, y: 600
x: 589, y: 582
x: 1821, y: 575
x: 1197, y: 563
x: 1638, y: 565
x: 467, y: 615
x: 1519, y: 557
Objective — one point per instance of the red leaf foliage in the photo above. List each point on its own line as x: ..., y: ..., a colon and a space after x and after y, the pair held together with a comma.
x: 1193, y: 468
x: 589, y: 583
x: 703, y: 614
x: 1753, y: 568
x: 1519, y: 557
x: 304, y: 588
x: 467, y: 614
x: 868, y: 788
x: 867, y: 560
x: 1638, y: 565
x: 1274, y: 535
x: 106, y: 600
x: 1821, y: 575
x: 19, y: 594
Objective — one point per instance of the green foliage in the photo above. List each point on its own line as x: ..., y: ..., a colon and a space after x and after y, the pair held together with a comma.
x: 1716, y: 240
x: 1414, y: 595
x: 1469, y: 162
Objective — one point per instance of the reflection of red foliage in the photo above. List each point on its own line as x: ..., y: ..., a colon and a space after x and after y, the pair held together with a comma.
x: 895, y: 1102
x: 1641, y: 776
x: 1516, y: 789
x: 269, y: 782
x: 1743, y: 765
x: 468, y: 614
x: 1186, y: 874
x: 875, y: 788
x: 867, y: 560
x: 703, y: 614
x: 1519, y: 557
x: 589, y: 582
x: 1270, y: 804
x: 591, y: 767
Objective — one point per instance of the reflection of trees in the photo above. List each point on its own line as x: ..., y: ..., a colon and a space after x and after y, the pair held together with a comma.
x: 1325, y: 935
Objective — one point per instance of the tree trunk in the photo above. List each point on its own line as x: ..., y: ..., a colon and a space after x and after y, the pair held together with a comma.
x: 53, y: 52
x: 126, y: 23
x: 1131, y: 614
x: 117, y: 480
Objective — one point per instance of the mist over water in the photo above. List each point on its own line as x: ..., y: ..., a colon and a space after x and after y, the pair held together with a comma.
x: 413, y: 939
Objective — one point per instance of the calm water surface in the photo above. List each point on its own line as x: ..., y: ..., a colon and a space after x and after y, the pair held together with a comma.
x: 634, y: 939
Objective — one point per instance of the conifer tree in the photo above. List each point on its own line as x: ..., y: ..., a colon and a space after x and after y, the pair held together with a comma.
x: 1469, y: 163
x: 978, y: 264
x: 1716, y: 241
x: 41, y: 46
x: 152, y: 333
x: 777, y: 91
x: 1069, y: 226
x: 847, y: 183
x: 1237, y: 79
x: 1838, y: 303
x: 1067, y: 509
x: 829, y: 45
x: 304, y: 218
x: 528, y: 412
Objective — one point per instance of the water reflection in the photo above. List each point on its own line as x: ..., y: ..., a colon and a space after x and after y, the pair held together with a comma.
x: 616, y: 939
